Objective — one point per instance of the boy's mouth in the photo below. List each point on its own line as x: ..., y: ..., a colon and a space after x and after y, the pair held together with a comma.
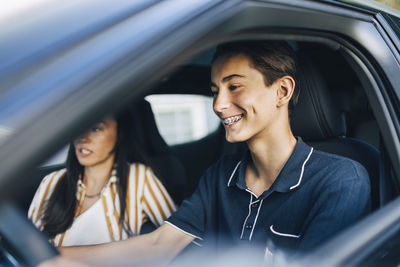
x: 231, y: 120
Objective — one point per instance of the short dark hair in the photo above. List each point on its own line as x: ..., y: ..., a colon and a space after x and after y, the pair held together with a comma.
x: 274, y: 59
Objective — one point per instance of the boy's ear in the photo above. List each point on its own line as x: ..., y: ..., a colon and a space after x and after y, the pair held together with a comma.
x: 285, y: 90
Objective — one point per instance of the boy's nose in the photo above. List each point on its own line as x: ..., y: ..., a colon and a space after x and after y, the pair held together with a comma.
x: 222, y: 101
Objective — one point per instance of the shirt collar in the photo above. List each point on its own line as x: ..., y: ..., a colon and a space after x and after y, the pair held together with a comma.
x: 113, y: 179
x: 290, y: 176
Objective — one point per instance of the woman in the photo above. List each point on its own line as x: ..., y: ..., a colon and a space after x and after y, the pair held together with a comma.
x: 99, y: 197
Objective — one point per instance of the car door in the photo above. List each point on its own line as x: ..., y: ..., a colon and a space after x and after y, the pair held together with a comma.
x: 63, y: 81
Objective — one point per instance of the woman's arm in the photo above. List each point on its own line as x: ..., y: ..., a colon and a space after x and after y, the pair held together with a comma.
x: 43, y: 192
x: 156, y: 201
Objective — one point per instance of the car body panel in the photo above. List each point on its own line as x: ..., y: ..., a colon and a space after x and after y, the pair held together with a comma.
x: 68, y: 88
x: 55, y: 83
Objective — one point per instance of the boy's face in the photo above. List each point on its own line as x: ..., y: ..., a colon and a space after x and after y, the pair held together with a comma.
x: 245, y: 105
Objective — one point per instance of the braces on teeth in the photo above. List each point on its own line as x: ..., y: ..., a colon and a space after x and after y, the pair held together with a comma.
x: 230, y: 121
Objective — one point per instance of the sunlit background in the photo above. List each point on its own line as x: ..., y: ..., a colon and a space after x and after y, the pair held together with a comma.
x: 392, y: 3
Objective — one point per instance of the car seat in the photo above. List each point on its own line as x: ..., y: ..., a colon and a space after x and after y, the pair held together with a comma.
x: 166, y: 166
x: 321, y: 124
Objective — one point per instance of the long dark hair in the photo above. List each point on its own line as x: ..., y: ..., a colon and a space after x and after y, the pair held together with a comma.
x: 60, y: 209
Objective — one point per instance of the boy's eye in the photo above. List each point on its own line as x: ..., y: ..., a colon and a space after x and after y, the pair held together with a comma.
x: 233, y: 87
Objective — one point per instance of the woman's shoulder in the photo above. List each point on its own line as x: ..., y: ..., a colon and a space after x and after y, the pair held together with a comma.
x: 139, y: 170
x: 47, y: 184
x: 138, y: 165
x: 54, y: 176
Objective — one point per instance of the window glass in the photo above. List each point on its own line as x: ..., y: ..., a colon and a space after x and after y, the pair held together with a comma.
x: 394, y: 22
x: 58, y: 158
x: 183, y: 118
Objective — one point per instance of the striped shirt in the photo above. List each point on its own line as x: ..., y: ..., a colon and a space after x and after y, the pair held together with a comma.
x: 146, y: 200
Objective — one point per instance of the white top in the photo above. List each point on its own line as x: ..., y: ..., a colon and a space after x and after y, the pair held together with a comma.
x: 146, y: 199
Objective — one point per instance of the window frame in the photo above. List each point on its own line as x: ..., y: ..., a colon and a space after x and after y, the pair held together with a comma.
x: 90, y: 95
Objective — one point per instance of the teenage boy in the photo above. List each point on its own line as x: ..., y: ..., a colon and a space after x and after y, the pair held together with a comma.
x: 281, y: 189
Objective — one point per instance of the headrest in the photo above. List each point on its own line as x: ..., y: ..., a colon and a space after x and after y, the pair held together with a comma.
x: 148, y: 134
x: 315, y: 117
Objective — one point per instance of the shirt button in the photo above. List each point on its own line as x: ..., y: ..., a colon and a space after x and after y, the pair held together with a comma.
x: 255, y: 205
x: 249, y: 226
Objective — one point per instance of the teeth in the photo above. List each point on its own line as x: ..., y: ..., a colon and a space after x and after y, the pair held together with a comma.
x: 232, y: 120
x: 85, y: 151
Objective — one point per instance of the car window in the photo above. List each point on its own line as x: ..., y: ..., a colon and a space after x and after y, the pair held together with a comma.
x: 183, y: 118
x: 58, y: 158
x: 179, y: 118
x: 394, y: 23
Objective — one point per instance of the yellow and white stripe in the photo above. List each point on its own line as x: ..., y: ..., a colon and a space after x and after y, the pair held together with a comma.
x: 42, y: 195
x: 146, y: 199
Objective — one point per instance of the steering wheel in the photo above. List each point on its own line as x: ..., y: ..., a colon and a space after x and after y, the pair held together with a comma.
x: 21, y: 243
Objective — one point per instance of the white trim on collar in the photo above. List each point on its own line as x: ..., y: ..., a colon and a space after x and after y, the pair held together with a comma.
x: 255, y: 220
x: 302, y: 170
x: 237, y: 165
x: 248, y: 215
x: 282, y: 234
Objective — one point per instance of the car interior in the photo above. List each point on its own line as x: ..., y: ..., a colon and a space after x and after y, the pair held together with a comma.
x: 333, y: 115
x: 139, y: 55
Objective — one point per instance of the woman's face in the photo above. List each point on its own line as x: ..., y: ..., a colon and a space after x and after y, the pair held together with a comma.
x: 96, y: 146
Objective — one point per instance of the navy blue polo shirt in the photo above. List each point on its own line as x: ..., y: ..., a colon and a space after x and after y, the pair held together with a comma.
x: 316, y: 195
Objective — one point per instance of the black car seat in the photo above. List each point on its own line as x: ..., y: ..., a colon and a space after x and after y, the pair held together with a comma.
x: 320, y: 123
x: 165, y: 165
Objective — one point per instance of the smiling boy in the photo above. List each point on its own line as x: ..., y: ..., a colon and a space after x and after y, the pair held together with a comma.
x: 281, y: 190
